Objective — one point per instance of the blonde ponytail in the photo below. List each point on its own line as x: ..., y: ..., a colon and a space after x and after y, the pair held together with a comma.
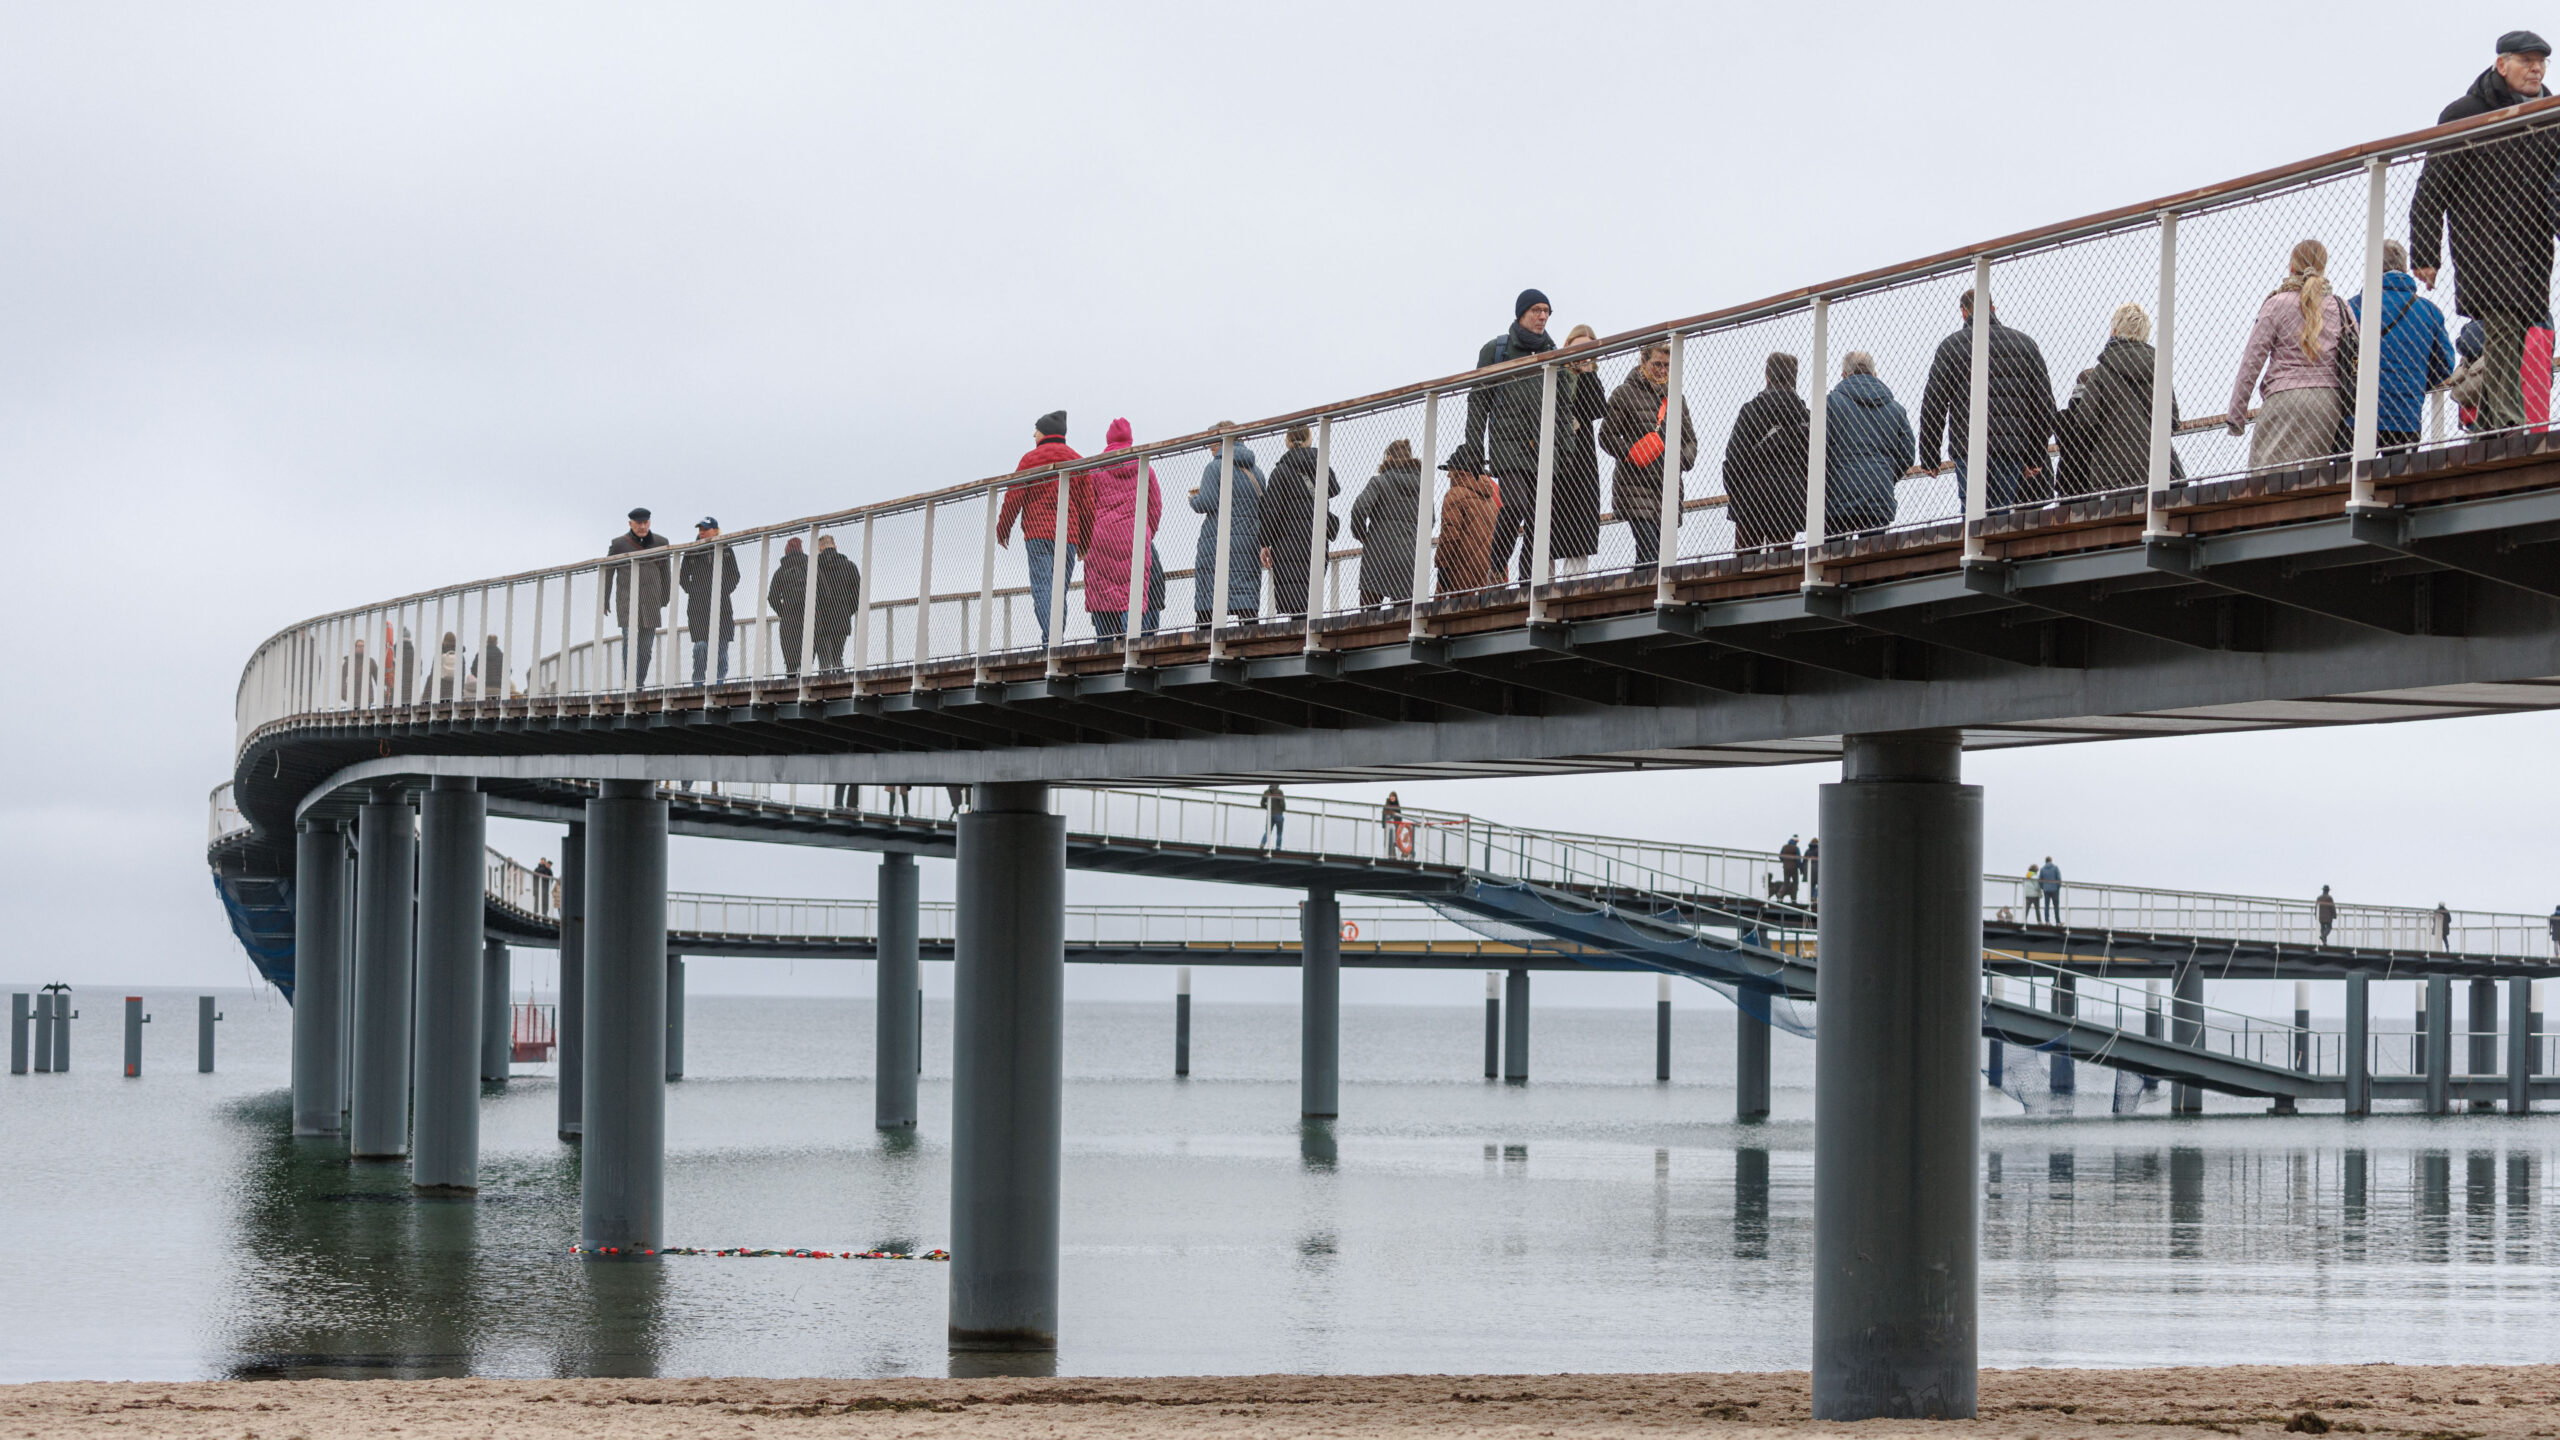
x: 2310, y: 264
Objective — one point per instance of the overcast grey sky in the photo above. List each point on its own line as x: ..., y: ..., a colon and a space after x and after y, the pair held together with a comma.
x: 309, y: 305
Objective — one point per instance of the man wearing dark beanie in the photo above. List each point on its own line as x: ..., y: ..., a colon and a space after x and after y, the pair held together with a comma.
x: 1037, y: 503
x: 1502, y: 423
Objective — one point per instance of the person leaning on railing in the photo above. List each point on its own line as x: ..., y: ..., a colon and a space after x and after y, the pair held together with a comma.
x: 788, y: 594
x: 1632, y: 433
x: 2416, y: 357
x: 693, y: 577
x: 1468, y: 515
x: 1764, y: 461
x: 839, y: 594
x: 2104, y: 434
x: 1044, y: 542
x: 2294, y: 345
x: 1288, y: 515
x: 1574, y: 505
x: 1382, y: 522
x: 2019, y: 413
x: 1243, y: 515
x: 1111, y: 564
x: 1868, y: 452
x: 2498, y: 199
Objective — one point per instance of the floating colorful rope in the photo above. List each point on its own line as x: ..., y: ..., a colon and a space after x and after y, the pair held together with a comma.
x: 742, y: 1252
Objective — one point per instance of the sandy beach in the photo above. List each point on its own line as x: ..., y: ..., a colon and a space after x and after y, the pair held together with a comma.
x: 2422, y: 1402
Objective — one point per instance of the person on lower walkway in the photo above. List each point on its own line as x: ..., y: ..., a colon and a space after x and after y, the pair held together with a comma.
x: 2444, y: 928
x: 694, y: 577
x: 2049, y: 885
x: 902, y: 800
x: 788, y: 594
x: 1047, y: 537
x: 839, y: 595
x: 958, y: 795
x: 1790, y: 869
x: 2325, y: 910
x: 1275, y: 817
x: 638, y: 594
x: 848, y: 797
x: 2555, y: 932
x: 2019, y: 412
x: 2497, y: 201
x: 1391, y: 819
x: 543, y: 878
x: 1813, y: 870
x: 2291, y: 362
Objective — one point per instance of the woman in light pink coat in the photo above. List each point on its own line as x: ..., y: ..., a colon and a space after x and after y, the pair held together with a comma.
x: 1106, y: 565
x: 2295, y: 345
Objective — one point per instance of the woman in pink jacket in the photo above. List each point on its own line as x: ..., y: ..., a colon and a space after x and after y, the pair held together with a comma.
x: 1106, y: 565
x: 2295, y: 345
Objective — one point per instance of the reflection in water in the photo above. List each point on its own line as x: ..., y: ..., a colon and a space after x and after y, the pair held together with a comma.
x: 2480, y: 1204
x: 1005, y: 1364
x: 2186, y: 1203
x: 1316, y: 1147
x: 2519, y: 1206
x: 2435, y: 1206
x: 621, y: 1303
x: 1751, y: 1204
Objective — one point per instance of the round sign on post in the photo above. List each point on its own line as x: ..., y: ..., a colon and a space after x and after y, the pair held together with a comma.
x: 1350, y: 929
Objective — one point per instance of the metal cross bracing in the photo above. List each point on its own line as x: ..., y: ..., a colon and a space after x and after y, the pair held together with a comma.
x: 2121, y: 575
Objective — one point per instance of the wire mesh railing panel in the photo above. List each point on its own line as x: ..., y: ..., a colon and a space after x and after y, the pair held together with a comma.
x: 1742, y: 391
x: 2068, y: 412
x: 1590, y: 536
x: 1882, y: 470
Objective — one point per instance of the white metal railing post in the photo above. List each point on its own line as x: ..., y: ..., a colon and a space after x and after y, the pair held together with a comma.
x: 603, y: 679
x: 1138, y: 572
x: 673, y: 653
x: 764, y: 632
x: 862, y: 603
x: 1977, y: 420
x: 809, y: 613
x: 2368, y: 396
x: 1425, y: 508
x: 506, y: 650
x: 2164, y: 394
x: 1542, y: 508
x: 1817, y: 450
x: 1225, y: 520
x: 987, y: 580
x: 924, y: 603
x: 1666, y: 548
x: 2435, y: 414
x: 1319, y: 511
x: 1061, y: 559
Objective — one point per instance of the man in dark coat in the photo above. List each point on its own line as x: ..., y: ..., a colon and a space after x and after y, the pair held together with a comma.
x: 2499, y: 200
x: 1502, y: 420
x: 695, y: 577
x: 789, y: 597
x: 639, y: 621
x: 2021, y: 411
x: 1286, y: 518
x: 1764, y: 461
x: 839, y: 594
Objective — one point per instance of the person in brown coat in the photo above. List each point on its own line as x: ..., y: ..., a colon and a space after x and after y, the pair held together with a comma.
x: 1465, y: 558
x: 1631, y: 432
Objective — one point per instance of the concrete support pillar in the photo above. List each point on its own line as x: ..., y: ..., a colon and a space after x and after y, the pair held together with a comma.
x: 2359, y: 1056
x: 319, y: 976
x: 206, y: 1018
x: 1896, y: 1109
x: 1515, y: 1026
x: 1320, y: 1006
x: 1751, y: 1058
x: 2186, y: 1027
x: 2482, y: 1026
x: 1661, y: 1028
x: 44, y: 1032
x: 453, y: 847
x: 569, y: 1032
x: 2519, y: 1045
x: 21, y: 1016
x: 133, y: 1022
x: 897, y: 1026
x: 2439, y: 1044
x: 622, y: 1190
x: 1492, y: 1024
x: 675, y: 1016
x: 497, y: 1012
x: 62, y: 1017
x: 386, y: 871
x: 1008, y: 1041
x: 1181, y: 1020
x: 2065, y: 1073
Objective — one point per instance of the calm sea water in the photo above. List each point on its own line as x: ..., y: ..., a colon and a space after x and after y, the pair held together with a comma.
x: 1592, y: 1220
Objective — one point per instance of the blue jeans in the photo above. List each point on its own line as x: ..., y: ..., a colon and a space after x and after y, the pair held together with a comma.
x: 2006, y: 482
x: 700, y: 649
x: 1041, y: 555
x: 1275, y: 829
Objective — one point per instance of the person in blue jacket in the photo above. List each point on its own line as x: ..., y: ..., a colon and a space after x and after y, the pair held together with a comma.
x: 1868, y: 450
x: 2416, y: 356
x: 1244, y: 530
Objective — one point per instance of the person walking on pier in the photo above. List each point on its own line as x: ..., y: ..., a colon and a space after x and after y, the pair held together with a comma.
x: 839, y: 595
x: 2416, y: 356
x: 1242, y: 514
x: 1633, y: 434
x: 788, y: 594
x: 488, y: 679
x: 695, y: 578
x: 2104, y: 434
x: 2049, y: 887
x: 2021, y: 414
x: 1275, y: 817
x: 1503, y: 420
x: 2294, y: 346
x: 1790, y: 869
x: 1868, y: 450
x: 1813, y: 870
x: 638, y: 600
x: 1468, y: 515
x: 2325, y: 910
x: 1045, y: 541
x: 1581, y: 404
x: 2444, y: 928
x: 2555, y: 932
x: 542, y: 885
x: 1112, y: 556
x: 1764, y: 461
x: 1289, y: 509
x: 2497, y: 200
x: 1390, y: 817
x: 1382, y: 521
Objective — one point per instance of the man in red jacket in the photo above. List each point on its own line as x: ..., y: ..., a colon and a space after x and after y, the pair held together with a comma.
x: 1036, y: 502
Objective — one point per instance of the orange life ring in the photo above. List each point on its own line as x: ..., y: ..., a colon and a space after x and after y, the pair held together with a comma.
x: 1404, y: 837
x: 1350, y: 929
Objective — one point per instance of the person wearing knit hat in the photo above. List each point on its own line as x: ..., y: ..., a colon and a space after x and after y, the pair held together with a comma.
x: 1046, y: 544
x: 1502, y: 421
x: 1052, y: 424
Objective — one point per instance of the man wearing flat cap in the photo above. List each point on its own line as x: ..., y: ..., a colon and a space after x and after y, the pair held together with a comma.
x: 639, y: 621
x: 2498, y: 200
